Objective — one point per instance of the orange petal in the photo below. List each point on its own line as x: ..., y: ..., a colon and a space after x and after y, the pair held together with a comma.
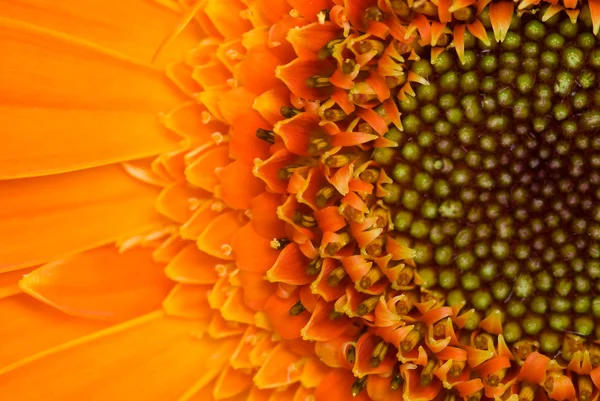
x: 231, y: 383
x: 330, y: 219
x: 535, y: 367
x: 336, y: 386
x: 236, y: 103
x: 321, y: 328
x: 595, y: 12
x: 459, y: 42
x: 253, y: 252
x: 239, y: 185
x: 310, y: 9
x: 203, y: 171
x: 244, y: 145
x: 274, y: 10
x: 295, y: 74
x: 24, y: 318
x: 226, y: 17
x: 269, y: 103
x: 469, y: 387
x: 398, y: 250
x: 256, y: 290
x: 493, y: 323
x: 267, y: 170
x: 493, y: 365
x: 364, y: 352
x: 380, y: 87
x: 297, y: 131
x: 351, y: 138
x: 501, y: 14
x: 279, y: 369
x: 189, y: 301
x: 413, y: 389
x: 309, y: 39
x: 595, y: 376
x: 192, y: 266
x: 47, y: 218
x: 101, y: 284
x: 478, y: 30
x: 278, y: 312
x: 176, y: 201
x: 201, y: 218
x: 257, y: 71
x: 217, y: 238
x: 119, y: 95
x: 290, y: 267
x: 321, y: 286
x: 340, y: 96
x: 166, y: 342
x: 562, y: 389
x: 264, y: 215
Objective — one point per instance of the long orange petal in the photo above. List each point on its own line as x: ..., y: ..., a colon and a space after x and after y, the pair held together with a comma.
x: 84, y: 84
x: 24, y: 318
x: 112, y: 356
x: 101, y: 284
x: 49, y: 217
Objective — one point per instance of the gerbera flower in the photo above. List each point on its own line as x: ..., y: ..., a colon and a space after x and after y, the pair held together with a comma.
x: 300, y: 200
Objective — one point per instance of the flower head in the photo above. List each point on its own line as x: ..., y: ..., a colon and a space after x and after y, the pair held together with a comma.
x: 339, y: 199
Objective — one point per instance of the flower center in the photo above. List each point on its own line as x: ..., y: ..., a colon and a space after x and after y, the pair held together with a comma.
x: 497, y: 180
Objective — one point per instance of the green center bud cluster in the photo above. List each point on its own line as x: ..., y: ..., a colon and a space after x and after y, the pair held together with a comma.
x: 497, y: 178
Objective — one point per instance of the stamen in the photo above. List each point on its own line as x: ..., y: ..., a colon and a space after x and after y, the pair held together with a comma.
x: 324, y: 194
x: 348, y: 66
x: 336, y: 276
x: 401, y: 8
x: 370, y: 175
x: 374, y: 13
x: 367, y: 306
x: 456, y: 368
x: 527, y: 392
x: 482, y: 340
x: 405, y: 276
x: 334, y: 315
x: 372, y: 276
x: 317, y: 81
x: 279, y: 243
x: 304, y: 220
x: 584, y: 384
x: 522, y: 349
x: 495, y: 378
x: 571, y: 344
x: 297, y: 309
x: 427, y: 372
x: 375, y: 248
x: 286, y: 172
x: 314, y: 267
x: 475, y: 396
x: 358, y: 386
x: 378, y: 354
x: 337, y: 160
x: 397, y: 380
x: 334, y: 114
x: 466, y: 14
x: 351, y: 354
x: 367, y: 45
x: 288, y: 112
x: 403, y: 306
x: 333, y: 247
x: 411, y: 340
x: 317, y: 145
